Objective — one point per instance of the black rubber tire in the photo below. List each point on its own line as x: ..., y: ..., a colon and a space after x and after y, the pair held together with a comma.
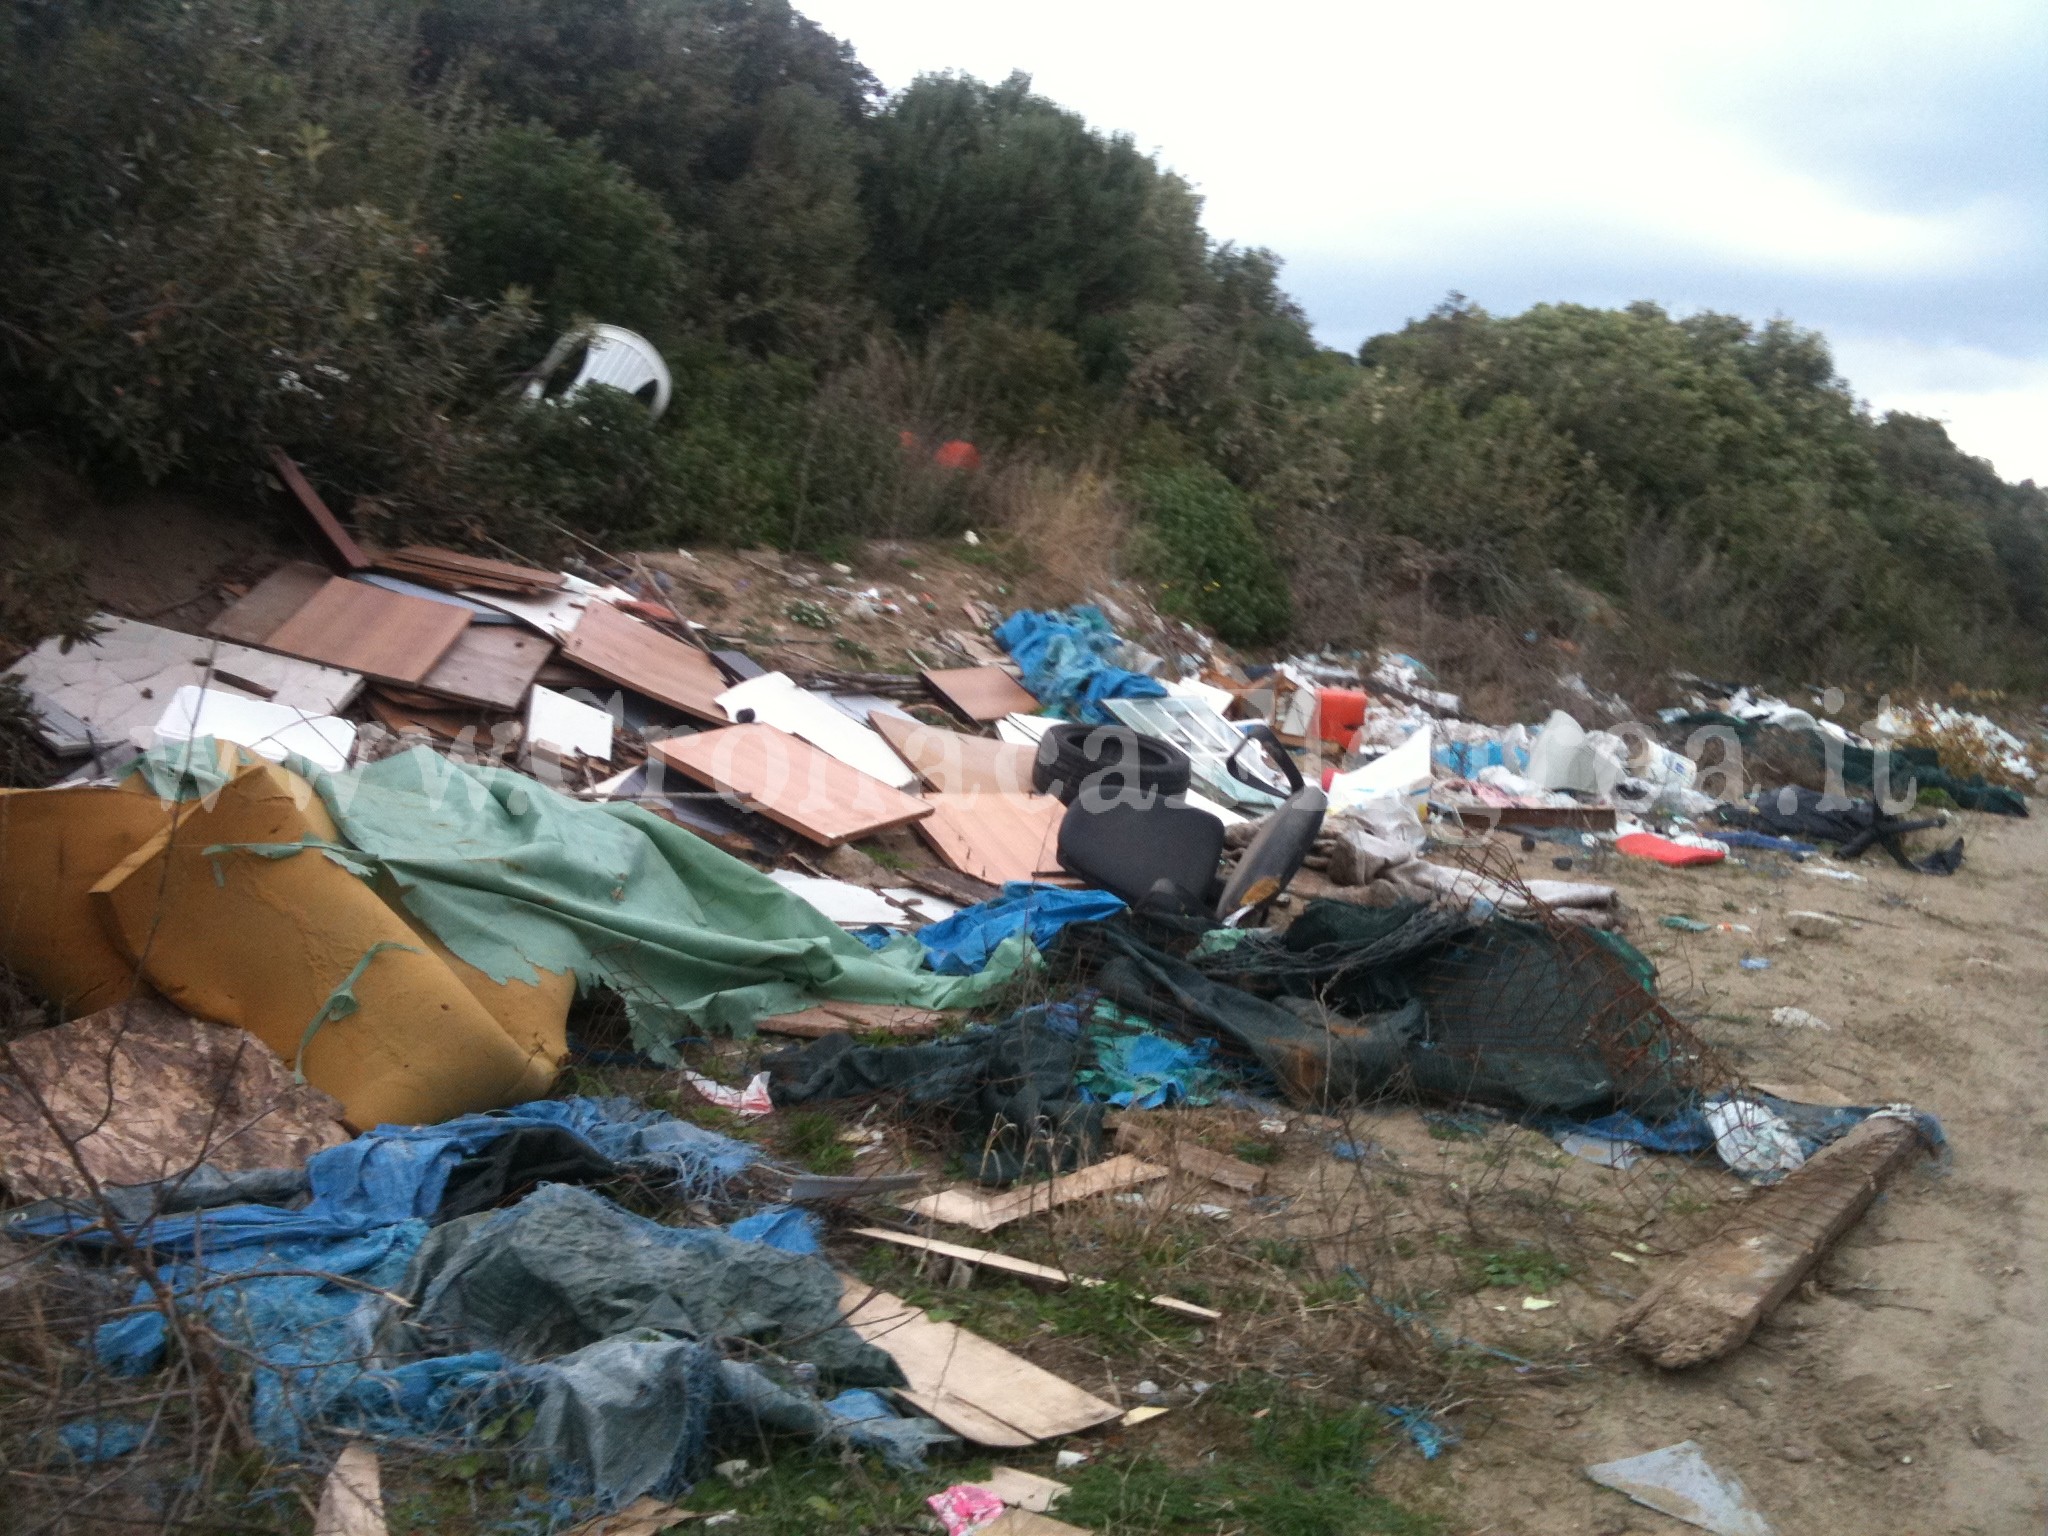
x: 1070, y: 755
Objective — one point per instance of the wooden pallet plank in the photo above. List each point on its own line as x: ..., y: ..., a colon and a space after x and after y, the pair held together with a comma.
x: 385, y: 635
x: 791, y: 782
x: 638, y: 656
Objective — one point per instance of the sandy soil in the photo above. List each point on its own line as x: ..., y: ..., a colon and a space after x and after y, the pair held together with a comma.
x: 1898, y: 1391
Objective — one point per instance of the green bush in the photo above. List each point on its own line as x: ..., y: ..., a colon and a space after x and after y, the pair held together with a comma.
x: 1198, y: 541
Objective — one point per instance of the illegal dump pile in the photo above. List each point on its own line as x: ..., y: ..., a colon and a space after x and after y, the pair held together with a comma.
x: 1136, y: 983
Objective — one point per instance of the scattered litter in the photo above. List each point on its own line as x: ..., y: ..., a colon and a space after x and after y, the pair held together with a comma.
x: 1751, y: 1139
x: 1665, y: 850
x: 1537, y: 1303
x: 1798, y: 1018
x: 1815, y: 925
x: 964, y: 1508
x: 645, y: 1516
x: 1066, y: 1461
x: 749, y: 1101
x: 739, y: 1472
x: 1142, y: 1415
x: 1678, y: 1481
x: 1755, y: 962
x: 1431, y: 1436
x: 984, y: 1213
x: 1687, y: 924
x: 274, y: 731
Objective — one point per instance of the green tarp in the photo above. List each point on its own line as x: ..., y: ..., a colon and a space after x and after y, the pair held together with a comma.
x: 515, y: 877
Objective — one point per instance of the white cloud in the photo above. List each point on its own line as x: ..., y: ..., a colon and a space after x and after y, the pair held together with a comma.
x: 1575, y: 141
x: 1996, y: 407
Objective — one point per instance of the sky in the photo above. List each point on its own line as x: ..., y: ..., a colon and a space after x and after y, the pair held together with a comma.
x: 1874, y: 170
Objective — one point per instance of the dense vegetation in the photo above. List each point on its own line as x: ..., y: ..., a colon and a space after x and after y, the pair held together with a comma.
x: 347, y: 226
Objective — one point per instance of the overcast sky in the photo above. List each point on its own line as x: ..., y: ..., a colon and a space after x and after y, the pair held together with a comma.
x: 1875, y: 170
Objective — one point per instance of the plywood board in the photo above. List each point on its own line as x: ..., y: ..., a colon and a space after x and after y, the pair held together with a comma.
x: 338, y: 538
x: 1024, y: 1269
x: 454, y: 569
x: 996, y: 837
x: 490, y: 665
x: 984, y: 1213
x: 861, y: 1019
x: 385, y: 635
x: 144, y: 1093
x: 254, y: 618
x: 790, y: 782
x: 1024, y: 1490
x: 980, y: 694
x: 118, y: 683
x: 977, y: 1389
x: 953, y: 762
x: 638, y: 656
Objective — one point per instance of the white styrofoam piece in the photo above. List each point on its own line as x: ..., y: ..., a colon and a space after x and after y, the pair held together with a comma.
x: 275, y: 731
x: 1024, y: 730
x: 776, y: 700
x: 1400, y: 774
x: 117, y: 683
x: 862, y: 706
x: 853, y: 906
x: 567, y: 727
x: 557, y: 613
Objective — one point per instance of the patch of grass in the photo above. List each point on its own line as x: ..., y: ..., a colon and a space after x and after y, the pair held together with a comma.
x: 810, y: 615
x: 1303, y: 1468
x: 1264, y: 1153
x: 888, y: 858
x: 853, y: 650
x: 811, y: 1137
x: 1281, y: 1252
x: 807, y: 1492
x: 1530, y: 1269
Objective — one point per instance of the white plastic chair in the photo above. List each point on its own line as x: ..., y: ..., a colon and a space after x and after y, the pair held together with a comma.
x: 612, y: 355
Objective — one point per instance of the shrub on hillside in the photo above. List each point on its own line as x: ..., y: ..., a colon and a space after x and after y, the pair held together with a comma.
x: 1197, y: 540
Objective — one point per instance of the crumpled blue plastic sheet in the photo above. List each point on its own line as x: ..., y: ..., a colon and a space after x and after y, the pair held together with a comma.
x: 1064, y: 658
x: 1147, y: 1070
x: 962, y: 944
x: 1690, y: 1133
x: 305, y: 1290
x: 1741, y: 838
x: 1431, y: 1435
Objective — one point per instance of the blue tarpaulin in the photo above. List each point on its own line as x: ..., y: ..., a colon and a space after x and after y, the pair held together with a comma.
x: 1065, y: 660
x: 963, y: 943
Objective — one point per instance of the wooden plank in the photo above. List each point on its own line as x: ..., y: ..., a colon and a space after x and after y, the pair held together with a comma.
x: 984, y: 1213
x: 254, y: 618
x: 1505, y: 818
x: 1230, y: 1172
x: 951, y: 884
x: 638, y: 656
x: 996, y: 837
x: 980, y: 694
x: 790, y: 782
x: 1713, y: 1299
x: 454, y: 569
x: 861, y: 1018
x: 352, y: 1502
x: 385, y: 635
x: 953, y: 762
x: 1024, y: 1490
x: 977, y: 1389
x: 339, y: 540
x: 1024, y: 1269
x: 490, y: 665
x: 1024, y: 1522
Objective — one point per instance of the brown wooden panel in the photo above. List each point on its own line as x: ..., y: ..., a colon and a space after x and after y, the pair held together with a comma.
x: 255, y: 618
x: 954, y: 762
x: 491, y: 665
x: 338, y: 538
x: 791, y: 782
x: 981, y: 693
x: 452, y: 568
x: 996, y: 837
x: 640, y: 657
x: 385, y: 635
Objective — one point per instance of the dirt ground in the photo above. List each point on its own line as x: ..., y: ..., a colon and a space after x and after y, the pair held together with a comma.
x: 1899, y: 1390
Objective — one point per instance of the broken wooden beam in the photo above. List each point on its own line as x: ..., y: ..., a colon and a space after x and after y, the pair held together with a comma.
x: 1712, y: 1301
x: 984, y: 1213
x: 1024, y: 1269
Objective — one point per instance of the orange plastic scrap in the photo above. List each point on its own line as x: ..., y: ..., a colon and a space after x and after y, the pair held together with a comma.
x: 54, y: 844
x: 301, y: 951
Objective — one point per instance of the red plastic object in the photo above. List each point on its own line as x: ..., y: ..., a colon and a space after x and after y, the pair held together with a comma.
x: 1339, y: 714
x: 1647, y: 845
x: 957, y: 454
